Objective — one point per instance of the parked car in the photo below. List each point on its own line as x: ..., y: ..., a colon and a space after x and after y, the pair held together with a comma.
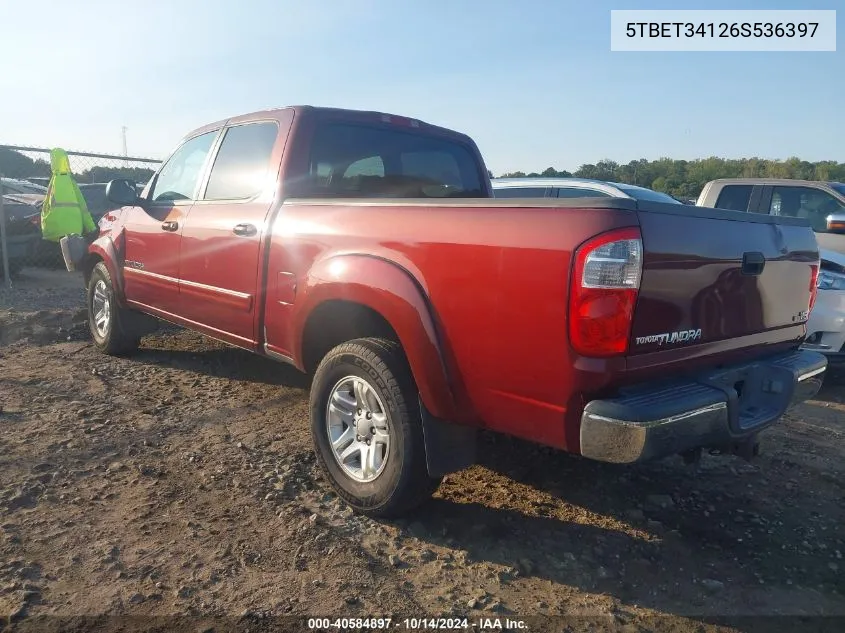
x: 365, y: 248
x: 823, y: 205
x: 574, y: 188
x: 48, y: 254
x: 39, y: 180
x: 96, y: 200
x: 23, y: 231
x: 24, y: 190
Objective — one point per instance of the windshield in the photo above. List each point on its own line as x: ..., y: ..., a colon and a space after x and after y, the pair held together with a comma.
x: 641, y: 193
x: 376, y: 162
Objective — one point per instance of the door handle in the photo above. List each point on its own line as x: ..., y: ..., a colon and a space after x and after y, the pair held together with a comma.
x: 170, y: 225
x: 244, y: 229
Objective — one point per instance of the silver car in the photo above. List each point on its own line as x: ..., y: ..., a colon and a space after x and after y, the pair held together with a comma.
x: 574, y: 188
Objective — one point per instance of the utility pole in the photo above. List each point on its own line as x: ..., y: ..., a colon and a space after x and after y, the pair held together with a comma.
x: 125, y: 151
x: 3, y: 245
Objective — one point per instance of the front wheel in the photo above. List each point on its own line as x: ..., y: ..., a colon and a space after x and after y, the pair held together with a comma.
x: 366, y: 426
x: 108, y: 322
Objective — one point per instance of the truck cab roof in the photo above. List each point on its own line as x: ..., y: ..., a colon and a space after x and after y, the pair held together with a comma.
x: 788, y: 182
x: 345, y: 114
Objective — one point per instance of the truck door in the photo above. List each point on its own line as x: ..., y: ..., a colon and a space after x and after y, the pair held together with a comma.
x: 220, y: 264
x: 153, y: 229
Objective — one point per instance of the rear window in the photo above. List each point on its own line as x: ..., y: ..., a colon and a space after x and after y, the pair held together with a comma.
x: 649, y: 195
x: 372, y: 162
x: 520, y: 192
x: 838, y: 186
x: 734, y: 197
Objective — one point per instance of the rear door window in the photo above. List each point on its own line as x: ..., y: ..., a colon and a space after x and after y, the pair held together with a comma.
x: 243, y: 161
x: 734, y: 197
x: 359, y: 161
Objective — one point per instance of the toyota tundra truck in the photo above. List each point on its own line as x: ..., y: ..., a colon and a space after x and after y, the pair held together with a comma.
x: 366, y: 249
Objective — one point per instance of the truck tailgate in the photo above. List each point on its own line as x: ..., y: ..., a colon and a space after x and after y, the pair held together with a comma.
x: 710, y: 275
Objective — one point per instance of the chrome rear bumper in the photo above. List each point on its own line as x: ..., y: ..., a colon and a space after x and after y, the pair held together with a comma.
x: 712, y: 410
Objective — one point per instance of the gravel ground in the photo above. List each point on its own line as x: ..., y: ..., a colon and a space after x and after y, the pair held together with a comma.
x: 181, y: 481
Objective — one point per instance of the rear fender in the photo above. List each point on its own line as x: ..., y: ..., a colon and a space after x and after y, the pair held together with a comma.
x: 394, y: 293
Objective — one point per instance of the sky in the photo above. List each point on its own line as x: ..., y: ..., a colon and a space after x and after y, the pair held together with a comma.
x: 533, y: 82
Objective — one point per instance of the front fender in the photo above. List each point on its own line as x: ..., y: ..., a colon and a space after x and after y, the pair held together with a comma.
x: 396, y: 295
x: 104, y: 248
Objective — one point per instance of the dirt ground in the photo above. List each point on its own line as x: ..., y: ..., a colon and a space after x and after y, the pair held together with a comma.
x: 181, y: 481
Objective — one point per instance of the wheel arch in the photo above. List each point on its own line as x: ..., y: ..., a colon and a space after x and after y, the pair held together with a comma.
x: 103, y: 250
x: 358, y: 296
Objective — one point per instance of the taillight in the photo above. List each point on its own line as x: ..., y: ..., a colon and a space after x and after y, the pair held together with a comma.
x: 605, y: 283
x: 814, y: 283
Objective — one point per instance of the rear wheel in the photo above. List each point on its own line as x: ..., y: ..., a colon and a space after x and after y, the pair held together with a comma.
x: 108, y: 322
x: 366, y: 427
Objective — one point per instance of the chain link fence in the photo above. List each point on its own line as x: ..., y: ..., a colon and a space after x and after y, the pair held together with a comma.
x: 24, y: 175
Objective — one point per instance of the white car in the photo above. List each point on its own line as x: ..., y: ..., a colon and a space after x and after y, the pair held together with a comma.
x: 573, y: 188
x: 826, y: 327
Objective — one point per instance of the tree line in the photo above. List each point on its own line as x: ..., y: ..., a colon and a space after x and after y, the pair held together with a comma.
x: 679, y: 178
x: 17, y: 165
x: 686, y: 178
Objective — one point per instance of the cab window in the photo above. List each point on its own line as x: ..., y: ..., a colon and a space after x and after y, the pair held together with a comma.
x: 805, y: 202
x: 179, y: 176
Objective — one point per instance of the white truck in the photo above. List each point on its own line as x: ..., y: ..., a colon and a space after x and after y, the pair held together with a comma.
x: 822, y: 203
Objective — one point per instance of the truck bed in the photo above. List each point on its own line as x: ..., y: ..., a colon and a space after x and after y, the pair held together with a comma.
x: 496, y: 277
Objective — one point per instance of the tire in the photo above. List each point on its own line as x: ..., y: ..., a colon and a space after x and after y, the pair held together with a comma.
x: 111, y: 330
x: 373, y: 372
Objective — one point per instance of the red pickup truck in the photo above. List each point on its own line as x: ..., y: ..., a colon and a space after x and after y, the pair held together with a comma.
x: 366, y: 248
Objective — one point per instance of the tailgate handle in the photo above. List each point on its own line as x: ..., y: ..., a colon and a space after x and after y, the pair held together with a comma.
x: 753, y: 263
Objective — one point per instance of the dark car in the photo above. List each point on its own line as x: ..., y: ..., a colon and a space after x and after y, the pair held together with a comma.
x: 49, y: 254
x: 23, y: 231
x: 96, y: 200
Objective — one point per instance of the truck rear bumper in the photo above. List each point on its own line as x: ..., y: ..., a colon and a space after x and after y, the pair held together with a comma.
x: 711, y: 410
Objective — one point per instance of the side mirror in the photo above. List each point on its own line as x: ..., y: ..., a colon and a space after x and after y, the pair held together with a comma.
x: 836, y: 223
x: 122, y: 192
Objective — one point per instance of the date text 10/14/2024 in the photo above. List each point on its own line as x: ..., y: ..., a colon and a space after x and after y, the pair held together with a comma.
x: 417, y: 624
